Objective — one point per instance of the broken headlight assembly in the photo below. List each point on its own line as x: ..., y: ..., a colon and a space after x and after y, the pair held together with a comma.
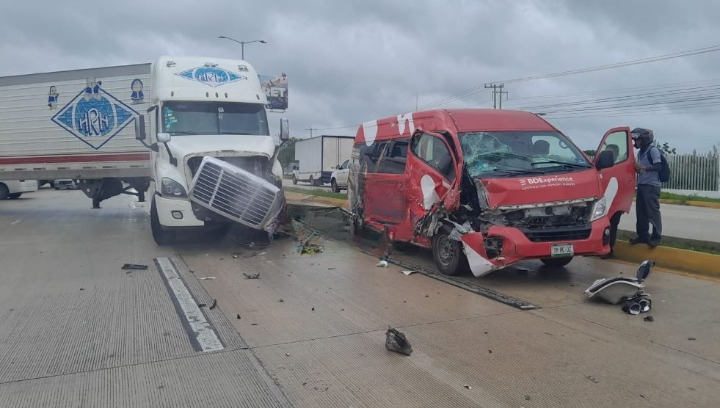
x: 599, y: 209
x: 172, y: 188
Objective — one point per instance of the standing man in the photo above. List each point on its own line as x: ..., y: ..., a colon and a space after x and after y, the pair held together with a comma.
x: 647, y: 203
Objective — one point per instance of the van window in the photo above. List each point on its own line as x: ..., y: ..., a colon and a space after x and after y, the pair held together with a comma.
x: 387, y: 157
x: 433, y: 151
x: 505, y: 154
x: 618, y: 144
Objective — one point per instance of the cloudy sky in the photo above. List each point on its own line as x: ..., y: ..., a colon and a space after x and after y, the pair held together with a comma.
x: 353, y: 61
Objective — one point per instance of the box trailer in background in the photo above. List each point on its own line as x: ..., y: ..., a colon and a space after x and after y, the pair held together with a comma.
x: 319, y: 156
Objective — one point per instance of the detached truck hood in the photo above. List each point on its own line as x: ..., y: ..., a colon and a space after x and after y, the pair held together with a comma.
x: 222, y: 146
x: 541, y: 188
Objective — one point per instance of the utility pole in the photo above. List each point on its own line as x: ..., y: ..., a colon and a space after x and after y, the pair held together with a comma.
x: 311, y: 131
x: 497, y: 89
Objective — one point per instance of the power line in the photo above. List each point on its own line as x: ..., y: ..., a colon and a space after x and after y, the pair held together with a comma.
x: 478, y: 88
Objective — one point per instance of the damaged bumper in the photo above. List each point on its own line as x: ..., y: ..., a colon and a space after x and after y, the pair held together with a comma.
x: 236, y: 194
x: 515, y: 246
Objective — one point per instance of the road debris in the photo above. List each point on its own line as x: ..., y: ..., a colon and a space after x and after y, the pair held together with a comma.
x: 649, y: 319
x: 250, y: 255
x: 692, y: 338
x: 309, y: 239
x: 214, y: 304
x: 207, y: 278
x: 408, y: 272
x: 280, y: 300
x: 396, y: 341
x: 467, y: 386
x: 591, y: 378
x: 136, y: 267
x: 251, y: 275
x: 382, y: 264
x: 238, y: 316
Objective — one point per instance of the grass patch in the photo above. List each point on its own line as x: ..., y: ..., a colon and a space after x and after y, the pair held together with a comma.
x: 316, y: 192
x: 679, y: 243
x: 683, y: 199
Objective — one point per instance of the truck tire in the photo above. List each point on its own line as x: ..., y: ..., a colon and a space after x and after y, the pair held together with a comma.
x: 160, y: 236
x: 557, y: 262
x: 4, y: 192
x: 294, y: 180
x: 334, y: 187
x: 448, y: 254
x: 311, y: 181
x: 14, y: 196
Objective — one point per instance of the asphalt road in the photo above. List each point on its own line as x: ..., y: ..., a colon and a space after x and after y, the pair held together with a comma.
x: 78, y: 330
x: 682, y: 221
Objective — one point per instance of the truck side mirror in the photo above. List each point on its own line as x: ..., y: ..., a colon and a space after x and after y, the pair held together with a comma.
x: 605, y: 160
x: 140, y: 127
x: 163, y: 137
x: 284, y: 129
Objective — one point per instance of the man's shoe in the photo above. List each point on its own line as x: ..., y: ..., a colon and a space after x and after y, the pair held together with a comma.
x: 638, y: 240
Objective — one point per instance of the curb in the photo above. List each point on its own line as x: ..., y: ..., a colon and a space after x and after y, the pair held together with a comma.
x: 309, y: 199
x: 691, y: 203
x: 680, y: 259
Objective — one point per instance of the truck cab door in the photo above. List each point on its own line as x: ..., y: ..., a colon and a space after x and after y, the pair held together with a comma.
x: 617, y: 181
x: 432, y: 171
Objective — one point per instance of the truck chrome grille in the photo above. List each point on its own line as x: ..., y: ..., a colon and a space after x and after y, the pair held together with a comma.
x: 235, y: 193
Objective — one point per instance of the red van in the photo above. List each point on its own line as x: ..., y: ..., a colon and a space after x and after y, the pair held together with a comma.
x: 487, y: 188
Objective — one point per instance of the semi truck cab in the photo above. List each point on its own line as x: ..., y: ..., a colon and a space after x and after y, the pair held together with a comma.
x: 212, y: 157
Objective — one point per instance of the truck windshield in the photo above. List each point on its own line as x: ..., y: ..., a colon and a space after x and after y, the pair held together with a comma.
x: 503, y: 154
x: 213, y: 118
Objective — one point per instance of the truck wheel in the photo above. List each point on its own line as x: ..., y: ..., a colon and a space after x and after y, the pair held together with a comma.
x: 557, y: 262
x: 4, y: 192
x: 294, y: 180
x: 334, y: 186
x: 311, y: 181
x: 448, y: 254
x: 14, y: 196
x: 160, y: 236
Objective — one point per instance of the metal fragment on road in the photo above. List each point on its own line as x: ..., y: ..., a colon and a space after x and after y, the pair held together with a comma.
x: 137, y: 267
x: 251, y: 275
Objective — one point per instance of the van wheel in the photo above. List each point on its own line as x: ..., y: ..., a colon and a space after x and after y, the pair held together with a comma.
x: 448, y: 254
x: 334, y: 186
x: 4, y: 191
x: 160, y: 236
x: 556, y: 262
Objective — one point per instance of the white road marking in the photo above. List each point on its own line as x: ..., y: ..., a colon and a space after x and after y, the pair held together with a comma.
x: 204, y: 333
x: 18, y: 221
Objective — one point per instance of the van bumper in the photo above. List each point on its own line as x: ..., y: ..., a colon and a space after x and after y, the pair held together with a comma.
x: 516, y: 246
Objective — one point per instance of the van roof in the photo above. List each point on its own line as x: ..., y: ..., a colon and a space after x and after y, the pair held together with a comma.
x: 458, y: 120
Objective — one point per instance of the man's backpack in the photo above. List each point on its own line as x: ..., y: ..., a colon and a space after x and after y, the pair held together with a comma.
x: 664, y: 174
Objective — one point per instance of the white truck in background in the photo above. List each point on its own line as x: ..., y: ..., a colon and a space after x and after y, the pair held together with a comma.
x: 319, y: 156
x: 206, y: 142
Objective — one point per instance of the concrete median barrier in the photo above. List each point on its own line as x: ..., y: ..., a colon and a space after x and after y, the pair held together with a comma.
x: 689, y: 261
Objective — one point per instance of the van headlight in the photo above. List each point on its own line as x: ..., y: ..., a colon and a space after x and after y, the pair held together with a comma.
x: 599, y: 209
x: 172, y: 188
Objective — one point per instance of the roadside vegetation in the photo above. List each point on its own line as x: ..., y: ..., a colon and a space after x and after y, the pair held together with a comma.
x: 316, y: 192
x: 683, y: 199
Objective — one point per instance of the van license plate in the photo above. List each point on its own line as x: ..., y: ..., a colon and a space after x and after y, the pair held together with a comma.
x: 561, y: 250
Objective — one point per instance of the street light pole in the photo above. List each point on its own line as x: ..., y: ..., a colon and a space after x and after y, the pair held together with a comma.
x: 242, y: 43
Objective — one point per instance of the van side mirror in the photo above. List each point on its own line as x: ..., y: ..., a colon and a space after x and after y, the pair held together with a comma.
x: 140, y: 127
x: 284, y: 129
x: 605, y: 160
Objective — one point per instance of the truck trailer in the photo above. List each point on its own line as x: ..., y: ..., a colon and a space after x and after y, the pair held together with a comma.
x: 195, y: 126
x: 319, y: 156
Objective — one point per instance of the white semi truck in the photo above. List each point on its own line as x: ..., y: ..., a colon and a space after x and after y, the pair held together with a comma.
x: 319, y: 156
x: 200, y: 133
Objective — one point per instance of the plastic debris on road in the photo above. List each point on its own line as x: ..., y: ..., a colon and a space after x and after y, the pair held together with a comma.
x: 408, y: 273
x: 396, y: 341
x: 207, y: 278
x: 251, y: 275
x: 382, y: 264
x: 309, y: 239
x: 136, y: 267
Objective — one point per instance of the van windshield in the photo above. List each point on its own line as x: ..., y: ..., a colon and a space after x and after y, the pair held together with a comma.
x: 214, y: 118
x: 502, y: 154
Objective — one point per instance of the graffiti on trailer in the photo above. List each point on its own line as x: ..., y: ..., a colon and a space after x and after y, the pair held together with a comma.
x: 94, y: 116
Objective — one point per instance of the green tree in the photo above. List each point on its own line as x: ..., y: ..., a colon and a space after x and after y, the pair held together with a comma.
x: 665, y: 148
x: 286, y: 155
